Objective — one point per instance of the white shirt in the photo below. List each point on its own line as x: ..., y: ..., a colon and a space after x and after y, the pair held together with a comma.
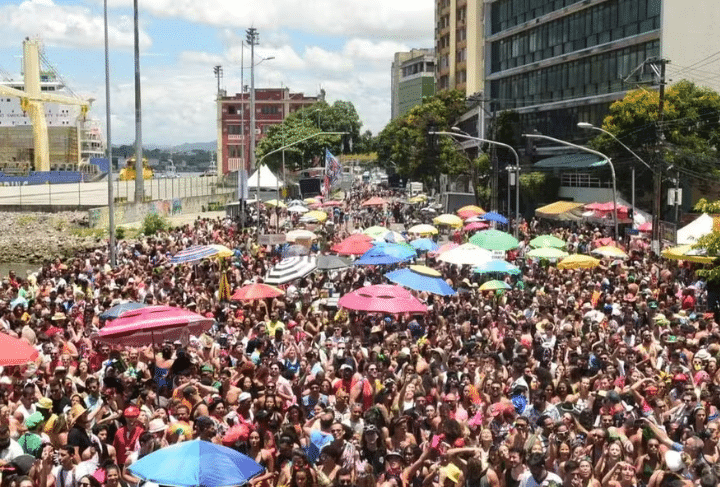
x: 13, y: 451
x: 527, y: 480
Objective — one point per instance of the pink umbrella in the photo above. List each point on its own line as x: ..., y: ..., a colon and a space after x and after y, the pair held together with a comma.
x: 443, y: 248
x: 154, y: 324
x: 476, y: 226
x: 14, y: 351
x: 332, y: 203
x: 356, y: 244
x: 382, y: 298
x: 645, y: 227
x: 374, y: 201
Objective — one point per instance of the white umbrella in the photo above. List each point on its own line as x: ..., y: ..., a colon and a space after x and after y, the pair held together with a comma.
x: 297, y: 209
x: 300, y: 234
x: 466, y: 254
x: 290, y: 269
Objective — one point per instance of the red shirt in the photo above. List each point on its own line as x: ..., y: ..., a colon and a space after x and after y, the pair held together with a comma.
x: 126, y: 440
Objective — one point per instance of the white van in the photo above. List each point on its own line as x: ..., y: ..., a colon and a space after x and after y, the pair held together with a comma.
x: 414, y: 188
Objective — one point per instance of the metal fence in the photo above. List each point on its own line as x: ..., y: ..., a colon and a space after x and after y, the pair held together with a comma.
x: 85, y: 195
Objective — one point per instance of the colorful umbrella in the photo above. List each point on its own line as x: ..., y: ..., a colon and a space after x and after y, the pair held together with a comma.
x: 295, y: 250
x: 645, y: 227
x: 494, y: 240
x: 16, y: 351
x: 224, y: 287
x: 387, y: 254
x: 470, y: 211
x: 196, y: 462
x: 391, y: 237
x: 448, y: 219
x: 374, y: 201
x: 421, y: 198
x: 382, y: 298
x: 154, y: 324
x: 421, y: 278
x: 314, y: 216
x: 423, y: 229
x: 496, y: 217
x: 376, y: 232
x: 424, y: 244
x: 274, y: 203
x: 297, y: 209
x: 578, y: 261
x: 609, y: 252
x: 119, y: 309
x: 688, y: 253
x: 300, y: 234
x: 494, y: 285
x: 466, y: 254
x: 193, y: 254
x: 356, y: 244
x: 498, y: 266
x: 311, y: 201
x: 549, y: 253
x: 332, y: 203
x: 255, y: 291
x: 290, y: 269
x: 445, y: 247
x: 331, y: 262
x: 547, y: 241
x: 222, y: 251
x: 472, y: 226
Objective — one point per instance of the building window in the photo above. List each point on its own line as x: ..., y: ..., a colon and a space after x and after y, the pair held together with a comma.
x: 234, y: 151
x: 461, y: 55
x: 461, y: 14
x: 460, y: 34
x: 269, y: 110
x: 234, y: 129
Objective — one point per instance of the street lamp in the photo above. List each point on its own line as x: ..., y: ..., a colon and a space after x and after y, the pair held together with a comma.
x: 589, y: 126
x: 599, y: 154
x: 517, y: 166
x: 108, y: 143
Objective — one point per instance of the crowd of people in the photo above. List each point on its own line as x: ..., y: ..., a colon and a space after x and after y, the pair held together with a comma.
x: 582, y: 378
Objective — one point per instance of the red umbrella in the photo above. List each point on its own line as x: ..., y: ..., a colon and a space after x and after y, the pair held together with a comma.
x: 154, y: 324
x: 476, y: 226
x: 443, y: 248
x: 374, y: 201
x: 645, y: 227
x: 356, y: 244
x: 14, y: 351
x: 332, y: 203
x: 256, y: 291
x: 382, y: 298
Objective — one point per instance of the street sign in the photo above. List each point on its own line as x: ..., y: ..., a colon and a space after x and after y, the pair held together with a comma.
x: 668, y: 232
x: 498, y: 254
x: 272, y: 239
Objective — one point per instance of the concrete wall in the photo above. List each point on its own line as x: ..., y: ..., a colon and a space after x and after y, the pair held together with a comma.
x: 586, y: 195
x: 129, y: 212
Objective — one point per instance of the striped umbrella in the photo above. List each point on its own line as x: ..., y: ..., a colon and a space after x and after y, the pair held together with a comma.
x: 193, y: 254
x: 224, y: 288
x: 290, y: 269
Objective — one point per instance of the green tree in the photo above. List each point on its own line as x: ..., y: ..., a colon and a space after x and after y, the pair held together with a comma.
x: 539, y: 187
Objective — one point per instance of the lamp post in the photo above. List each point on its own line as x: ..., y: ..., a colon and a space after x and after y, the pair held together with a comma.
x: 139, y: 173
x: 517, y: 166
x: 600, y: 154
x: 589, y: 126
x: 108, y: 143
x: 275, y: 151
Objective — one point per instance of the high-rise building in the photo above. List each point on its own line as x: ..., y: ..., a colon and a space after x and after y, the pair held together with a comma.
x: 412, y: 78
x: 459, y: 40
x: 272, y: 106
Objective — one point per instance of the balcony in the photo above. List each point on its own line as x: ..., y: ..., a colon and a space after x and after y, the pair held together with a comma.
x: 234, y: 163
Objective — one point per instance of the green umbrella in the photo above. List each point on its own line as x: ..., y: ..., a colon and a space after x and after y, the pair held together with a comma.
x: 494, y: 240
x: 549, y: 253
x: 494, y: 285
x: 547, y: 241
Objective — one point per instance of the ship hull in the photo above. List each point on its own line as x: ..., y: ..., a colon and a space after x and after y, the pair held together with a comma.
x: 95, y: 171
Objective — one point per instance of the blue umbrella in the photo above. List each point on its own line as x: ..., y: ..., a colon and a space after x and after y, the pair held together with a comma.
x: 424, y: 244
x: 387, y: 253
x: 495, y: 217
x: 197, y: 462
x: 420, y: 282
x: 499, y: 266
x: 193, y: 254
x: 117, y: 310
x: 295, y: 250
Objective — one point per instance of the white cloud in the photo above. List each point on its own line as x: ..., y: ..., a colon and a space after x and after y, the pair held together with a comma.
x: 365, y: 49
x: 318, y: 58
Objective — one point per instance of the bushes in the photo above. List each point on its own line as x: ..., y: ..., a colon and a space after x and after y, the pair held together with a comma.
x: 153, y: 223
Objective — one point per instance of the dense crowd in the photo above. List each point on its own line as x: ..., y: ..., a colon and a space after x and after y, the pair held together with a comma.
x: 582, y: 378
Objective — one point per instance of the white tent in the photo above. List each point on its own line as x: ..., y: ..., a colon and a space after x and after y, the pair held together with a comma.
x: 691, y: 233
x: 268, y: 180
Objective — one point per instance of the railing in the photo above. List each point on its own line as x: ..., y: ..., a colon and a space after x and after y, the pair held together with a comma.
x: 583, y: 180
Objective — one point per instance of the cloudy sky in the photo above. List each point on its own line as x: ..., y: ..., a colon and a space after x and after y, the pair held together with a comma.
x: 343, y: 46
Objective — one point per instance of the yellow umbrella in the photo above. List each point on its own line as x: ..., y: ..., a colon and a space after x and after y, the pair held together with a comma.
x: 277, y: 203
x: 310, y: 201
x: 417, y: 199
x: 222, y: 251
x: 448, y: 219
x: 425, y: 270
x: 578, y: 261
x: 318, y: 215
x: 610, y: 251
x: 423, y: 229
x: 688, y: 253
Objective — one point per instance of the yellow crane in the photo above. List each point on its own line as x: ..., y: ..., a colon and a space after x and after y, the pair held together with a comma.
x: 33, y: 99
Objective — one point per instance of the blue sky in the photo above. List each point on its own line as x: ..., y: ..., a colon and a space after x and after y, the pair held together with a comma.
x: 345, y: 47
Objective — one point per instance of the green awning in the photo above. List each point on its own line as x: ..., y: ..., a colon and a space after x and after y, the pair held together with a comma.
x: 571, y: 161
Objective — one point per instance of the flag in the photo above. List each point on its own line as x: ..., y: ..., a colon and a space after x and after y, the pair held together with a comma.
x: 333, y: 171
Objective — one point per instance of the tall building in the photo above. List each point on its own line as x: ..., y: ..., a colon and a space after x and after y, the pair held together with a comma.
x: 412, y: 78
x: 459, y: 41
x: 560, y: 62
x: 272, y: 106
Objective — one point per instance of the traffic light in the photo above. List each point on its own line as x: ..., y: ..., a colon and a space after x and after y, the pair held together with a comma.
x: 431, y: 137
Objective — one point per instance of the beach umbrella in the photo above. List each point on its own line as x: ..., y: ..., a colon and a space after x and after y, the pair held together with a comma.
x: 472, y: 226
x: 15, y: 351
x: 424, y: 244
x: 376, y: 232
x: 193, y: 254
x: 222, y: 251
x: 300, y: 234
x: 119, y: 309
x: 382, y: 298
x: 374, y: 201
x: 470, y: 211
x: 549, y: 253
x: 421, y: 198
x: 423, y: 229
x: 290, y: 269
x: 645, y: 227
x: 428, y: 209
x: 275, y: 203
x: 387, y: 254
x: 578, y: 261
x: 421, y: 278
x: 391, y: 237
x: 154, y: 324
x: 331, y: 262
x: 311, y: 201
x: 494, y: 285
x: 496, y: 266
x: 297, y: 209
x: 609, y: 252
x: 495, y: 217
x: 466, y: 254
x: 547, y: 241
x: 688, y: 253
x: 356, y: 244
x: 448, y: 219
x: 445, y: 247
x: 295, y: 250
x: 196, y: 463
x: 314, y: 216
x: 256, y: 291
x: 494, y: 240
x: 330, y: 203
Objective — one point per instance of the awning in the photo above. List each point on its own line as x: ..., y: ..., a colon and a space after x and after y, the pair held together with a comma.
x: 571, y: 161
x: 561, y: 210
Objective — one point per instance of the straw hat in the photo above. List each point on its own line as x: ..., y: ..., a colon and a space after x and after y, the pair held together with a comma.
x: 75, y: 412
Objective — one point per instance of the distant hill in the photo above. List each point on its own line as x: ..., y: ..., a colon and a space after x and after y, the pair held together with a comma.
x: 191, y: 146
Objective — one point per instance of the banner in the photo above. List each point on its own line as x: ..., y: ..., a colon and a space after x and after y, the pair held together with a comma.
x: 333, y: 172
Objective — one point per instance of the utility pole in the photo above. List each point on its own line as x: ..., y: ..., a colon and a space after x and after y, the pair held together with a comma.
x: 139, y: 173
x: 495, y: 206
x: 108, y: 148
x: 252, y: 40
x: 657, y: 180
x: 218, y: 74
